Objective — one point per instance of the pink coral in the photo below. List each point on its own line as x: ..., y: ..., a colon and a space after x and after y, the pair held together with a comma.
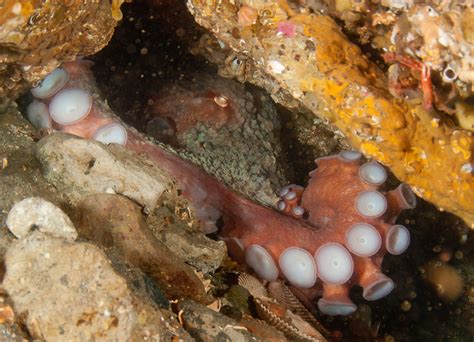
x: 327, y: 237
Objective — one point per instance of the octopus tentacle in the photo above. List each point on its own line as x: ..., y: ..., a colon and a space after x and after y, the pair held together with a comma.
x: 348, y: 223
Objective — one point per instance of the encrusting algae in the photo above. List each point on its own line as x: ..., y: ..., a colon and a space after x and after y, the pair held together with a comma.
x: 318, y: 66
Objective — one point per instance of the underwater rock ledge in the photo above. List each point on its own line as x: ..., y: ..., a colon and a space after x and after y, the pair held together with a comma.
x: 317, y: 65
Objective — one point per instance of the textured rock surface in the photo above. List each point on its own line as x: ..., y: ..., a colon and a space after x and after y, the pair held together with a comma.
x: 114, y: 221
x: 80, y: 167
x: 69, y: 291
x: 37, y: 213
x: 197, y: 250
x: 207, y: 325
x: 36, y: 36
x: 318, y: 66
x: 20, y: 174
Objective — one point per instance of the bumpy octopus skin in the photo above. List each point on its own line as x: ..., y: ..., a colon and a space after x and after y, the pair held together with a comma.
x: 330, y: 236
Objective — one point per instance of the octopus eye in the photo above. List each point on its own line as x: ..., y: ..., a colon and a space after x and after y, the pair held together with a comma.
x: 221, y: 101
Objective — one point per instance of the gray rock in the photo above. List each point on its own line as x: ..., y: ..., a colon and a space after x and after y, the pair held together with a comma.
x: 195, y: 249
x: 69, y: 291
x: 79, y: 167
x: 207, y: 325
x: 37, y: 213
x: 192, y: 246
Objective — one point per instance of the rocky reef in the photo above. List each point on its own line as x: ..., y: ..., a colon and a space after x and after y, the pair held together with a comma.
x: 158, y: 175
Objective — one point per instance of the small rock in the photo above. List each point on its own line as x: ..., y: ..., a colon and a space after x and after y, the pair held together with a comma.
x: 198, y: 251
x: 115, y: 221
x: 205, y: 324
x: 79, y: 167
x: 68, y: 291
x: 37, y: 213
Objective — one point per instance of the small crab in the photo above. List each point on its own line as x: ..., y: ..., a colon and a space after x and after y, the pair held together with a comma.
x: 417, y: 66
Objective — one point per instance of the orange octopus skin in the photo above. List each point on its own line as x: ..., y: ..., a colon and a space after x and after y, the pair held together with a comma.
x: 329, y: 202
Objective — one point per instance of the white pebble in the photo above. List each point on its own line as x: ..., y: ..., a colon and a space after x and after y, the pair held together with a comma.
x: 37, y: 213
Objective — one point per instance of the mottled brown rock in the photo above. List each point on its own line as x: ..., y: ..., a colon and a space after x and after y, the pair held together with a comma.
x: 68, y: 291
x: 114, y: 221
x: 37, y: 36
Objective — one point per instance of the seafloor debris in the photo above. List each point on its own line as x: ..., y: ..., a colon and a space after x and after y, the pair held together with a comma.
x: 279, y: 307
x: 316, y: 64
x: 37, y: 36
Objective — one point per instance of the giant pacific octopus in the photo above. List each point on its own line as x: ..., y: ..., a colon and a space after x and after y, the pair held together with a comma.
x: 322, y: 240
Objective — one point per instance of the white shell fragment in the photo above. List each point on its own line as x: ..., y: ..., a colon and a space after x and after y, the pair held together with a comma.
x: 398, y: 239
x: 373, y: 173
x: 363, y: 239
x: 299, y: 267
x: 37, y: 213
x: 261, y: 262
x: 70, y: 106
x: 371, y: 204
x: 113, y: 133
x: 51, y: 84
x: 38, y: 114
x: 334, y: 263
